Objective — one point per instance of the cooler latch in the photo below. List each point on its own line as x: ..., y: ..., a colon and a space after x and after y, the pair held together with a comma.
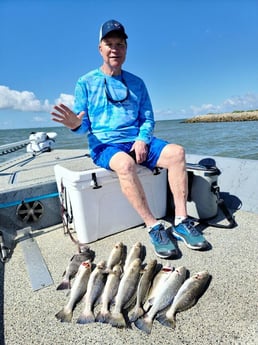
x: 94, y: 182
x: 156, y: 171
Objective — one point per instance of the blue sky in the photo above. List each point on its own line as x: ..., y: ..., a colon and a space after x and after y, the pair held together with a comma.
x: 195, y: 56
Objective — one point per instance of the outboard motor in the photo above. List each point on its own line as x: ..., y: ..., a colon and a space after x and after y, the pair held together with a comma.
x: 41, y: 142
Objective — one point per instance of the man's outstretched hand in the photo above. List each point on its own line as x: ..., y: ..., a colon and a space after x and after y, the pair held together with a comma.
x: 64, y: 115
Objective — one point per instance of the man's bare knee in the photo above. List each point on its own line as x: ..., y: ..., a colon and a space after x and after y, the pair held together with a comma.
x: 122, y: 163
x: 172, y: 154
x: 178, y: 153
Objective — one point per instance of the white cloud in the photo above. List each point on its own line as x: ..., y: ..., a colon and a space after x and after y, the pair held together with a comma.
x: 205, y: 109
x: 248, y: 101
x: 21, y: 100
x: 27, y: 101
x: 65, y: 99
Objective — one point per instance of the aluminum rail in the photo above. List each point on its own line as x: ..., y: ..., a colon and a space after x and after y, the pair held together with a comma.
x: 12, y: 147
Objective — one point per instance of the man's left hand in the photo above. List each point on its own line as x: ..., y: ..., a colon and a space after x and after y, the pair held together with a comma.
x: 141, y: 151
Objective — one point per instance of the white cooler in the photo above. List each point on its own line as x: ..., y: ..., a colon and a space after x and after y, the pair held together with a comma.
x: 98, y: 206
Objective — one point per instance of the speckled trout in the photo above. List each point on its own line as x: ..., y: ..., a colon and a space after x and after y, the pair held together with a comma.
x: 143, y: 289
x: 126, y: 290
x: 134, y: 253
x: 78, y: 290
x: 165, y: 296
x: 186, y: 297
x: 109, y: 293
x: 95, y: 286
x: 116, y: 255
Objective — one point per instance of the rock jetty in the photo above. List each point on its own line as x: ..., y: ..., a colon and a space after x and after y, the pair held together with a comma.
x: 225, y: 117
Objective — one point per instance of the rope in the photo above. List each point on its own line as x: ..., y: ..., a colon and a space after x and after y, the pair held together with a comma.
x: 36, y: 198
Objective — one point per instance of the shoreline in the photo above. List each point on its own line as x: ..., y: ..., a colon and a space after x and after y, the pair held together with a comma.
x: 225, y: 117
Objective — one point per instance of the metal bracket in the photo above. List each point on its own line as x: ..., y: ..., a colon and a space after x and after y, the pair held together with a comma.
x: 35, y: 264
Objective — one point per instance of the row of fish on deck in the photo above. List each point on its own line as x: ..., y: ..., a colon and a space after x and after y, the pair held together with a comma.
x: 126, y: 290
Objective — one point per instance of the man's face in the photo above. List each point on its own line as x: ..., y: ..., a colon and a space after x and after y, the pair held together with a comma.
x: 113, y: 51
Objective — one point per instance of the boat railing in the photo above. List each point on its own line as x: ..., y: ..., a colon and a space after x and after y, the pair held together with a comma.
x: 12, y: 147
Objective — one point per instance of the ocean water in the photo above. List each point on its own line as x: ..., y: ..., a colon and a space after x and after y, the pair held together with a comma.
x: 227, y: 139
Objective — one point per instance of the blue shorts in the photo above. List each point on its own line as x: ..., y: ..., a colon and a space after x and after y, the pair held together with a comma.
x: 102, y: 154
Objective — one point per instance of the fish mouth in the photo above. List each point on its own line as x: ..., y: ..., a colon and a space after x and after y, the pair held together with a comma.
x: 101, y: 265
x: 167, y: 269
x: 178, y: 272
x: 86, y: 264
x: 201, y: 275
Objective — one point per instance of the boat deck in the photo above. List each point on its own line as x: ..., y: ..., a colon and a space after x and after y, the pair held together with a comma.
x: 28, y: 170
x: 225, y: 314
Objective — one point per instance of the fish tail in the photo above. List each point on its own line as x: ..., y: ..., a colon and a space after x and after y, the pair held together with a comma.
x: 64, y: 316
x: 103, y: 317
x: 135, y: 314
x: 171, y: 323
x: 64, y: 285
x: 117, y: 320
x: 144, y: 324
x: 86, y: 318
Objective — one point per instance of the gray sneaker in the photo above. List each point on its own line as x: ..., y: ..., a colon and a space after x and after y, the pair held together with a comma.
x: 163, y: 246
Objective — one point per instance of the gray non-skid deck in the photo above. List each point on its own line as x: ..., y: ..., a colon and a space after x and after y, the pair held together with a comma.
x: 225, y: 314
x: 28, y: 170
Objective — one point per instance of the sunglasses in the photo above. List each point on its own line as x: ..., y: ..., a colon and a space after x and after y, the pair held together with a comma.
x: 112, y: 99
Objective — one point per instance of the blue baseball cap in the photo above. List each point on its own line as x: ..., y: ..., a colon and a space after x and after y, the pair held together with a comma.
x: 109, y: 26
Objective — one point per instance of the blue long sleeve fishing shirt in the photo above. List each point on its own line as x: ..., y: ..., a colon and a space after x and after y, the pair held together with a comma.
x: 113, y: 122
